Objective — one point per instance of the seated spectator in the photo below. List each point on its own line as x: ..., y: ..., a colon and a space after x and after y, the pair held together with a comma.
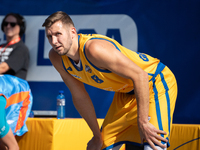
x: 14, y: 54
x: 15, y: 106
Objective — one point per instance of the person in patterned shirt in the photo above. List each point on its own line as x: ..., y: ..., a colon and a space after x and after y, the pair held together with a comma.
x: 14, y: 54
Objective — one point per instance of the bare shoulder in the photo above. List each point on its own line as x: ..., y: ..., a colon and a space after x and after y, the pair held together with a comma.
x: 99, y: 49
x: 91, y: 47
x: 52, y: 54
x: 103, y: 54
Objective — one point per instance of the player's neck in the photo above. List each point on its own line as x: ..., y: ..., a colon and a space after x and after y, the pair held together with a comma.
x: 74, y: 56
x: 74, y: 52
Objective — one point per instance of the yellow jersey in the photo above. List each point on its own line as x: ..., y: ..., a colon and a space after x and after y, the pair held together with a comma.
x: 104, y: 79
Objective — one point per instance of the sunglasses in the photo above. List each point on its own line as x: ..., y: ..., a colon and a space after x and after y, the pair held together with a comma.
x: 12, y: 24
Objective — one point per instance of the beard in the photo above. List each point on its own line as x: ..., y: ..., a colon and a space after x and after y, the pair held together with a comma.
x: 64, y: 49
x: 63, y: 52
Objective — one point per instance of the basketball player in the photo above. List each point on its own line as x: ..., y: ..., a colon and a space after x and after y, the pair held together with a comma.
x: 15, y: 106
x: 145, y: 89
x: 7, y: 138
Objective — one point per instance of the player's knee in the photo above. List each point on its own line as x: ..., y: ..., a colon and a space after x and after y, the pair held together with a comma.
x: 148, y: 147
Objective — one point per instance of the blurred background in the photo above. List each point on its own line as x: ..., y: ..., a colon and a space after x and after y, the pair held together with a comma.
x: 167, y: 30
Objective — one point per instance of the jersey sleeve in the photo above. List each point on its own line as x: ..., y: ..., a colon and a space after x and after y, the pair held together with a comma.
x: 4, y: 127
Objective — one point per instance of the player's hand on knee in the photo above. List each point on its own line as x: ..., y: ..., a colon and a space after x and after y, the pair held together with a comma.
x: 149, y: 133
x: 95, y: 143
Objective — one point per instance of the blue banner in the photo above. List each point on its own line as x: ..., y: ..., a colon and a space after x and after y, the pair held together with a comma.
x: 167, y: 30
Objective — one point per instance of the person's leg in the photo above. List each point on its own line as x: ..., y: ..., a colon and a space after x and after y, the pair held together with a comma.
x: 134, y: 147
x: 148, y: 147
x: 6, y: 135
x: 162, y: 102
x: 120, y: 123
x: 142, y: 147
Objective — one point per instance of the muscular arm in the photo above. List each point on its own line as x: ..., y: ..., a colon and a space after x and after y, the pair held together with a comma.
x: 4, y: 67
x: 80, y: 97
x: 105, y: 56
x: 9, y: 141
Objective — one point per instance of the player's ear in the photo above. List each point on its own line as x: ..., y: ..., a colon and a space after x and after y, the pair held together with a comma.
x: 73, y: 32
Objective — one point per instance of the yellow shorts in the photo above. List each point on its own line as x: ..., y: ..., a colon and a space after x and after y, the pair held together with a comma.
x: 120, y: 124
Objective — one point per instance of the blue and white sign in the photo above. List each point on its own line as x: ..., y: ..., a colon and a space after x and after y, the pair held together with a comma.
x: 167, y: 30
x: 41, y: 69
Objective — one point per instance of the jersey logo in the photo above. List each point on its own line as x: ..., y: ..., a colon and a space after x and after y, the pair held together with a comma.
x: 88, y: 69
x: 69, y: 68
x: 143, y: 56
x: 76, y: 76
x: 2, y: 129
x: 96, y: 79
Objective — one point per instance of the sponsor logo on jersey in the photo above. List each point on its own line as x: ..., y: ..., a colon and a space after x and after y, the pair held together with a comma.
x: 76, y: 76
x: 88, y: 69
x: 69, y: 68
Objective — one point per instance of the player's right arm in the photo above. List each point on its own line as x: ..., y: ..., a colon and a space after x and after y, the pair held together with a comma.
x: 80, y: 97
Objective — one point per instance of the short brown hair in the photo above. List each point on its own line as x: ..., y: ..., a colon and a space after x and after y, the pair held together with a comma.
x: 58, y: 16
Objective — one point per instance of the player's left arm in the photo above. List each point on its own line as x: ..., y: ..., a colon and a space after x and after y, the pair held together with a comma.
x: 104, y: 55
